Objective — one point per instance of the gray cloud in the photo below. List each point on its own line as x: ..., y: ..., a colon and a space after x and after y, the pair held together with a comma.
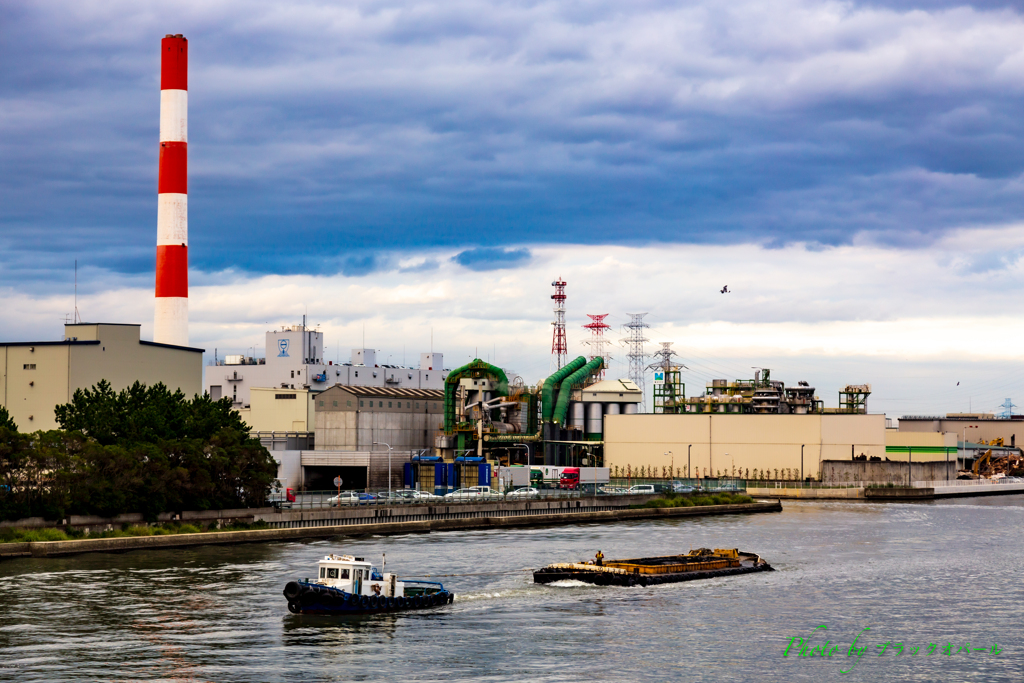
x: 323, y: 130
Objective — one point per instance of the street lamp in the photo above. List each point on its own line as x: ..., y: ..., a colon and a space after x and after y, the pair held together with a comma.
x: 381, y: 443
x: 689, y: 474
x: 672, y: 466
x: 801, y: 463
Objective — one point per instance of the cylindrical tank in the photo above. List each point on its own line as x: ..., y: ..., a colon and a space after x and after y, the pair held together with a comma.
x: 611, y: 409
x: 578, y: 415
x: 631, y: 409
x: 594, y: 419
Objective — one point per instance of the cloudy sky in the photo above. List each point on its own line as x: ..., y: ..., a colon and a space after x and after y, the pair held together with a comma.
x: 853, y: 172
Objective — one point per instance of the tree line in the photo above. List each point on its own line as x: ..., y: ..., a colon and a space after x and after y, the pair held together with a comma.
x: 143, y: 449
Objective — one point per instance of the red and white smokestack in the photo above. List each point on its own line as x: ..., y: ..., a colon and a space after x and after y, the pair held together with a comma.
x: 171, y: 319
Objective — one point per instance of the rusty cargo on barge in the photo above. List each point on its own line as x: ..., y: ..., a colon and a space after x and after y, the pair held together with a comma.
x: 702, y: 563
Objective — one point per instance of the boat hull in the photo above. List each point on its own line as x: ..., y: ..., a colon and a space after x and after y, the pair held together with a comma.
x: 749, y: 564
x: 308, y: 598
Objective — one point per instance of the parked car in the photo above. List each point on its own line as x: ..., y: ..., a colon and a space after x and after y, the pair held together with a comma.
x: 641, y: 488
x: 524, y: 492
x: 413, y: 494
x: 350, y: 498
x: 473, y: 492
x: 614, y: 490
x: 680, y: 487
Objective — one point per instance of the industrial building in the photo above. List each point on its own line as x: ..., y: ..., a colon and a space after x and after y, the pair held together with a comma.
x: 973, y: 427
x: 279, y: 410
x: 295, y: 359
x: 353, y: 418
x: 734, y: 444
x: 38, y: 376
x: 826, y: 446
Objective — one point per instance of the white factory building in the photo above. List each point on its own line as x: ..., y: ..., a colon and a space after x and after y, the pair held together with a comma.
x: 294, y: 360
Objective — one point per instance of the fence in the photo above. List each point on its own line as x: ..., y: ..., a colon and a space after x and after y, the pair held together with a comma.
x: 321, y: 500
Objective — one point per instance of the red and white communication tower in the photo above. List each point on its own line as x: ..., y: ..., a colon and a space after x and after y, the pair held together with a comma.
x: 170, y: 322
x: 559, y: 349
x: 597, y: 343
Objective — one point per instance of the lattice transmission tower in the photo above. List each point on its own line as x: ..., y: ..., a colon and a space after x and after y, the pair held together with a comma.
x: 1008, y: 407
x: 597, y: 342
x: 559, y: 349
x: 637, y: 355
x: 669, y: 391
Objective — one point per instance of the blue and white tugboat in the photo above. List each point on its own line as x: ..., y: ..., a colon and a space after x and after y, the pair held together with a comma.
x: 351, y: 585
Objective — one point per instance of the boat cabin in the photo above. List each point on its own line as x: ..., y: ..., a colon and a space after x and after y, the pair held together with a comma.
x: 357, y: 576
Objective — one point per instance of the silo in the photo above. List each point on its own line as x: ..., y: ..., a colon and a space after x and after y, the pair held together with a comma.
x: 578, y: 416
x: 630, y: 409
x: 594, y: 420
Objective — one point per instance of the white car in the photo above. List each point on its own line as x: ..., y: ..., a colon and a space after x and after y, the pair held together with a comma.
x: 473, y: 492
x: 413, y: 494
x: 613, y: 489
x: 641, y: 488
x: 350, y: 498
x: 525, y: 492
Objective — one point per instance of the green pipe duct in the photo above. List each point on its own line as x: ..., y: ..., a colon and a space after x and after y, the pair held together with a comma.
x: 552, y: 382
x: 451, y: 387
x: 565, y: 392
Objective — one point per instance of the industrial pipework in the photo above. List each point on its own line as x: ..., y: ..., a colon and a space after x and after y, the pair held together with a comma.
x: 475, y: 368
x: 565, y: 391
x: 552, y: 383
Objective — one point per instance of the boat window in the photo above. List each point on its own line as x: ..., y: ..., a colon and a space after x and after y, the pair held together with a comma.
x: 344, y: 573
x: 332, y: 573
x: 322, y: 572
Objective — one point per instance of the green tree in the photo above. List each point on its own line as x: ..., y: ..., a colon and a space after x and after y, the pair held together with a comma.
x: 143, y: 449
x: 6, y: 421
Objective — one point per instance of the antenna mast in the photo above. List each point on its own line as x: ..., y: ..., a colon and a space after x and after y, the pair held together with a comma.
x: 559, y: 349
x: 77, y: 317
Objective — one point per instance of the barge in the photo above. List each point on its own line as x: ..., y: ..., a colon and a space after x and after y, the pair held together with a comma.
x: 703, y: 563
x: 351, y: 585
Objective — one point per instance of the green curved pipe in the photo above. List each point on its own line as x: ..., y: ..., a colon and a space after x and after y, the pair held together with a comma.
x: 552, y: 382
x: 451, y: 387
x: 565, y: 392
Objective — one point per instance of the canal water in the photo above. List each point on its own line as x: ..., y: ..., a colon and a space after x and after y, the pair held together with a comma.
x: 945, y: 577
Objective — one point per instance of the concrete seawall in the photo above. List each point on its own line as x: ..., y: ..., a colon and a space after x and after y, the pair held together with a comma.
x: 881, y: 494
x: 58, y: 548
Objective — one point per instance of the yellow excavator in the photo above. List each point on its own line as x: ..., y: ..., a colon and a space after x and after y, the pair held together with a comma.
x: 980, y: 461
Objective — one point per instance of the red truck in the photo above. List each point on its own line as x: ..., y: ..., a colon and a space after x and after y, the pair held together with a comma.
x: 569, y: 479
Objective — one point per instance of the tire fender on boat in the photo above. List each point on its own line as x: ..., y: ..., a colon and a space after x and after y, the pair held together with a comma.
x: 292, y: 589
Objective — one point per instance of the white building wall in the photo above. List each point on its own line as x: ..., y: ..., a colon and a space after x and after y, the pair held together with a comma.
x: 295, y: 358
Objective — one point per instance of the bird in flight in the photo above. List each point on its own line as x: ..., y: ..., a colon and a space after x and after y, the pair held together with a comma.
x: 725, y: 290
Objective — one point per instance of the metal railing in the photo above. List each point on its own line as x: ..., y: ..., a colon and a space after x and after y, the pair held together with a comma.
x: 322, y: 500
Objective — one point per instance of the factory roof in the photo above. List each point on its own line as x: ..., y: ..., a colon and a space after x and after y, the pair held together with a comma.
x: 613, y: 390
x: 391, y: 392
x: 614, y: 385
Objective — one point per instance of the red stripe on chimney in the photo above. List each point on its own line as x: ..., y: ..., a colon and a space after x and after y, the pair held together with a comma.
x: 174, y: 63
x: 173, y: 171
x: 172, y: 270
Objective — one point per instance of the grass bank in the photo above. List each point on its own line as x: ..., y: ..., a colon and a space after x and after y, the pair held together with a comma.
x: 13, y: 535
x: 684, y: 500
